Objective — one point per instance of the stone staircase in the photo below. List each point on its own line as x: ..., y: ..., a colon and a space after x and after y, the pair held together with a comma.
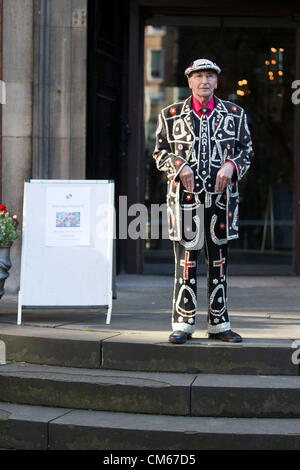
x: 83, y: 390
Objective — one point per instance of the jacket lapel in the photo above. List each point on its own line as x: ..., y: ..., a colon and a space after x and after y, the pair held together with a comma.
x: 220, y: 113
x: 186, y: 115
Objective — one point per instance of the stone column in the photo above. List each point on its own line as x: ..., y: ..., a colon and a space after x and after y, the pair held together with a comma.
x: 16, y: 115
x: 59, y: 111
x: 44, y: 120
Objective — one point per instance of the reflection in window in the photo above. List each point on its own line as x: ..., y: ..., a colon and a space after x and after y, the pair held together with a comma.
x: 156, y: 64
x: 257, y: 71
x: 155, y: 30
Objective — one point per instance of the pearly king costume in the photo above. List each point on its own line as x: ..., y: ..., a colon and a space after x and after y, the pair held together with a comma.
x: 204, y: 143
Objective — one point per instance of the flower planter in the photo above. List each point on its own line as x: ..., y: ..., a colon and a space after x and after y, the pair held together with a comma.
x: 8, y: 233
x: 5, y: 265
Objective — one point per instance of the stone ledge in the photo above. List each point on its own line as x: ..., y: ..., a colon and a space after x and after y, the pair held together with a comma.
x: 203, y: 395
x: 124, y: 431
x: 258, y: 357
x: 53, y: 347
x: 137, y: 392
x: 26, y: 427
x: 145, y: 351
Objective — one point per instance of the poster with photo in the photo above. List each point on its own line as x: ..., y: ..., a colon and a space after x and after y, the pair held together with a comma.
x: 67, y: 216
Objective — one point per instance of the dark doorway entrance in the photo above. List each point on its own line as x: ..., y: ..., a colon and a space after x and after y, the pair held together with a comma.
x: 107, y: 129
x: 258, y: 63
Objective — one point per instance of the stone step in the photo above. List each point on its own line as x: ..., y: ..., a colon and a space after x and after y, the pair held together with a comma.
x: 138, y: 392
x: 26, y: 427
x: 149, y: 352
x: 36, y: 427
x: 53, y: 346
x: 146, y: 352
x: 213, y: 395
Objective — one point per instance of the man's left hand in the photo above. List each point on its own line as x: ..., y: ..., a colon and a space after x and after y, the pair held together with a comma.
x: 224, y: 176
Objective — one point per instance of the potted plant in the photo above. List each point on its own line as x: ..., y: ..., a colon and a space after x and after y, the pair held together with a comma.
x: 8, y: 233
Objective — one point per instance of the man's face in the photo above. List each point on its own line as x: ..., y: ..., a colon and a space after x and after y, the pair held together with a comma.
x: 203, y: 83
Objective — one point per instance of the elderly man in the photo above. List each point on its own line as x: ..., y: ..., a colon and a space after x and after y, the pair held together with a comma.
x: 204, y: 146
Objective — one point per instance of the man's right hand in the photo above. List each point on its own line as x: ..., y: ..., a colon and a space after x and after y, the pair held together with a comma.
x: 187, y: 178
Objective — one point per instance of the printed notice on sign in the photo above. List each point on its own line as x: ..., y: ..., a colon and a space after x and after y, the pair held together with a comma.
x: 68, y: 216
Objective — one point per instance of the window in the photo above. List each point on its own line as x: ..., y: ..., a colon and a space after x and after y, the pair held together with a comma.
x: 155, y: 69
x: 155, y: 30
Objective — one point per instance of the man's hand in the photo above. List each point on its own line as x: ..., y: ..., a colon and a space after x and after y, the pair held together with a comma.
x: 224, y: 176
x: 187, y: 178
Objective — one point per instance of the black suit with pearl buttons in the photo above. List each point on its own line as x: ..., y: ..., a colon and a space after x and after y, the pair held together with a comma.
x: 205, y: 144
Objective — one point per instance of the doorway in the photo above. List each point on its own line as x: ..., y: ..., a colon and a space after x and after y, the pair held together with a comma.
x: 257, y: 62
x: 107, y: 122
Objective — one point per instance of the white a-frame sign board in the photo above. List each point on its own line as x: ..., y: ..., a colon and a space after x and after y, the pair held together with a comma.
x: 67, y: 244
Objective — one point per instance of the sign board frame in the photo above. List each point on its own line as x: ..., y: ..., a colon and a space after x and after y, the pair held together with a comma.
x: 67, y: 245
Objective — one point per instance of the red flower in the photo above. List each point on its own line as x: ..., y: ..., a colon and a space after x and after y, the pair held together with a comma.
x: 15, y: 219
x: 3, y: 208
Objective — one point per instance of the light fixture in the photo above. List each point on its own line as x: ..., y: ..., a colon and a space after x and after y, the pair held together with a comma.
x: 273, y: 49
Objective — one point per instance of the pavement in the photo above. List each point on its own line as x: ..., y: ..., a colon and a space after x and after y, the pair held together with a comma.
x: 259, y: 307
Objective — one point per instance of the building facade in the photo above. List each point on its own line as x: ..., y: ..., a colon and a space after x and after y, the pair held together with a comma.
x: 85, y: 80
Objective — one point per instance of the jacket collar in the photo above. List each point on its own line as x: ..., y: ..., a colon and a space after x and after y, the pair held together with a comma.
x: 219, y: 105
x: 188, y: 105
x: 219, y: 110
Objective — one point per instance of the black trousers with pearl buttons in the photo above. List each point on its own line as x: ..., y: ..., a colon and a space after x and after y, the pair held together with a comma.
x: 215, y: 250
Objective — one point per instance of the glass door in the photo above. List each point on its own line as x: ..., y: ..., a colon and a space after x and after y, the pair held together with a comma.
x: 257, y: 71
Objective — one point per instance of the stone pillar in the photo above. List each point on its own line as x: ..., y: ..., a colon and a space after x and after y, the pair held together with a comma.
x: 16, y: 115
x: 59, y: 112
x: 44, y: 120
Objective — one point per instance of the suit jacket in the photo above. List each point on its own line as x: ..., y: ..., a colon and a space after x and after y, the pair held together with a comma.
x: 175, y: 147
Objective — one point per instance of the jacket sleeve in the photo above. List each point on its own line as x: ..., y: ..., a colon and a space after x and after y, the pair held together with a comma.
x: 243, y: 149
x: 164, y: 158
